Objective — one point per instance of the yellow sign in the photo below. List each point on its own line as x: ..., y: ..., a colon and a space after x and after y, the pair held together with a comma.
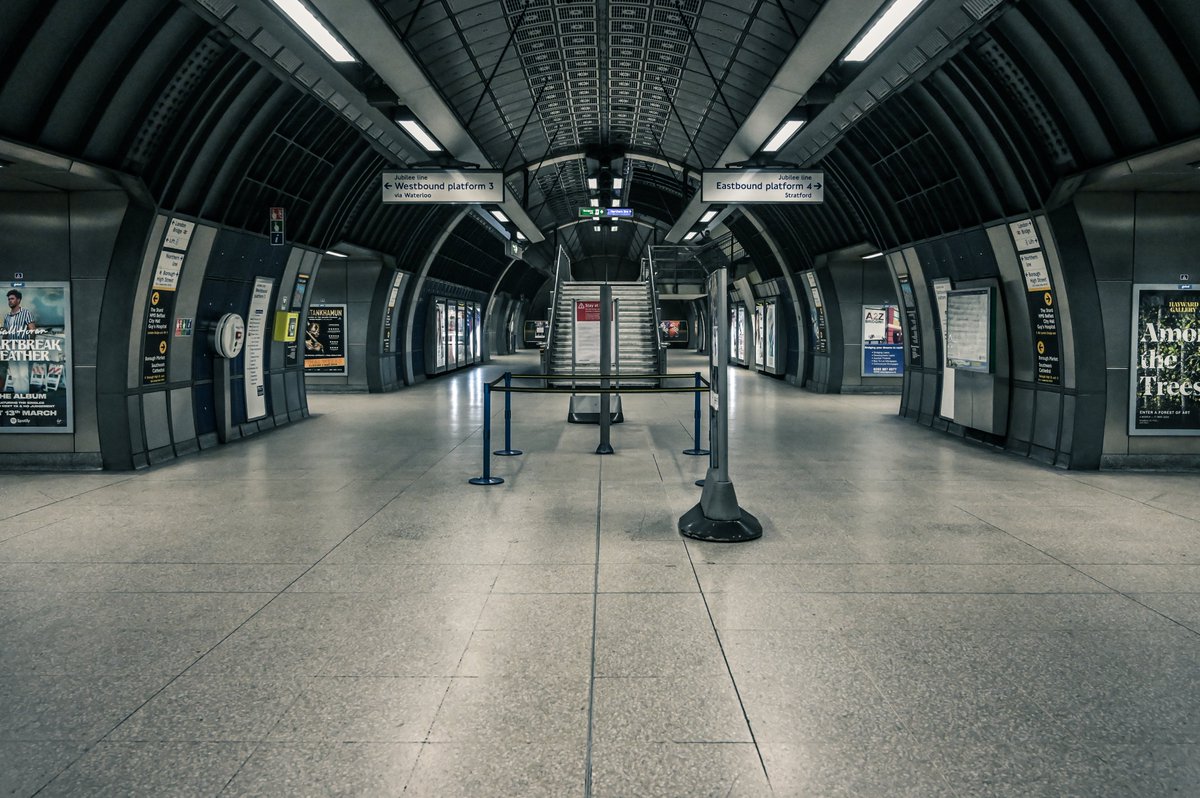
x: 287, y: 324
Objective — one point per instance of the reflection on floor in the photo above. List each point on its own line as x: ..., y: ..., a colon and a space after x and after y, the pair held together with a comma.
x: 330, y: 609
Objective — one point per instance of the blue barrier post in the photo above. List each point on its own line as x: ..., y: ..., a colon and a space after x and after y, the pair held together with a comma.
x: 487, y: 478
x: 696, y: 450
x: 508, y: 450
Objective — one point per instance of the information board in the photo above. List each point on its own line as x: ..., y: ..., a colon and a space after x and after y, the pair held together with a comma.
x: 941, y: 288
x: 255, y: 348
x: 969, y: 329
x: 587, y: 332
x: 913, y: 317
x: 535, y: 332
x: 1164, y: 391
x: 771, y: 334
x: 1043, y: 318
x: 816, y: 312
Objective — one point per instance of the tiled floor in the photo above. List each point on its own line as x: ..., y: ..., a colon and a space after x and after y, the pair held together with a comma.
x: 329, y: 609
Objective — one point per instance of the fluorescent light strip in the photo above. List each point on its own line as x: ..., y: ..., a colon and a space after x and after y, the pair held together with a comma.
x: 873, y: 257
x: 413, y: 128
x: 618, y: 183
x: 891, y: 19
x: 315, y: 30
x: 690, y: 236
x: 782, y: 136
x: 593, y: 183
x: 616, y: 203
x: 708, y: 216
x: 595, y: 203
x: 336, y: 254
x: 520, y: 236
x: 500, y: 216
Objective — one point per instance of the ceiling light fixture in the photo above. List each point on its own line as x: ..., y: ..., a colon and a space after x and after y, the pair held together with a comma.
x: 520, y: 236
x: 312, y: 27
x: 872, y: 256
x: 709, y: 215
x: 616, y: 203
x: 500, y: 217
x: 596, y: 228
x: 336, y: 254
x: 595, y: 203
x: 618, y: 183
x: 783, y: 134
x: 691, y: 235
x: 413, y: 127
x: 593, y: 184
x: 613, y: 229
x: 881, y: 29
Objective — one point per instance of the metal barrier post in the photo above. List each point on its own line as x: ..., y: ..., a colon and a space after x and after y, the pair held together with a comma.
x: 508, y: 450
x: 696, y: 450
x: 487, y: 478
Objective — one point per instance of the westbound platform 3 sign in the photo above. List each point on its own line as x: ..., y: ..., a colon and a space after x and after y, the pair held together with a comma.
x: 442, y: 187
x: 759, y: 186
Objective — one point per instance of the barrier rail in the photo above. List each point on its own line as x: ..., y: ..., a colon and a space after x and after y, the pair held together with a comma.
x: 701, y: 386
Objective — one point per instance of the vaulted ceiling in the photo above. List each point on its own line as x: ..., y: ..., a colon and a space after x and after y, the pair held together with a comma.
x: 976, y: 110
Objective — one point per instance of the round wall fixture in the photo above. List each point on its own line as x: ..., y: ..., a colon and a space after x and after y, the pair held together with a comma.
x: 229, y: 335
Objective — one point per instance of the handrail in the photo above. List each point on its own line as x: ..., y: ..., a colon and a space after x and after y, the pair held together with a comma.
x: 660, y: 359
x: 558, y: 281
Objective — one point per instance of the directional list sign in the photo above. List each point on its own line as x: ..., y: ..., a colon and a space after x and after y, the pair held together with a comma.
x: 442, y: 187
x: 757, y: 186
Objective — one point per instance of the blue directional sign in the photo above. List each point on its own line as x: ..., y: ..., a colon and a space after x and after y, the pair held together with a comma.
x: 618, y: 211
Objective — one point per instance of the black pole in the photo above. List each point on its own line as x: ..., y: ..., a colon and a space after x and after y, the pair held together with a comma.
x: 606, y: 321
x: 487, y: 478
x: 508, y: 450
x: 696, y: 450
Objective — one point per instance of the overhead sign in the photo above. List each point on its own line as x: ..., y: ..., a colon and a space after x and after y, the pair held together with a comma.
x: 757, y: 186
x: 586, y: 213
x: 443, y: 187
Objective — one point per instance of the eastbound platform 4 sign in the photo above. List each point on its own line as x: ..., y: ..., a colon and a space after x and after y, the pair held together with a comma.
x: 757, y: 186
x: 442, y: 187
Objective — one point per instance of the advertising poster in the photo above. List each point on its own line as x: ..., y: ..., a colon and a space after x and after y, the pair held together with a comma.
x: 673, y: 330
x: 35, y: 355
x: 1165, y: 384
x: 325, y: 340
x: 478, y: 327
x: 468, y: 332
x: 771, y: 336
x: 255, y: 349
x: 535, y: 332
x: 291, y: 352
x: 442, y: 348
x: 461, y: 339
x: 912, y: 317
x: 883, y: 341
x: 451, y: 331
x: 760, y: 318
x: 741, y: 331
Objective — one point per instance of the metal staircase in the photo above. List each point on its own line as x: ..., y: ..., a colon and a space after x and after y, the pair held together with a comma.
x: 638, y: 350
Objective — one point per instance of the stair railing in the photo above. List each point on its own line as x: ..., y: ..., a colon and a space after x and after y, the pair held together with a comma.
x: 559, y: 276
x: 660, y: 347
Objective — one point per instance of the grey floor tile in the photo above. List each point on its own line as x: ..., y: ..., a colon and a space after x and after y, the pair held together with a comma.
x: 44, y: 708
x: 896, y: 767
x: 151, y: 769
x: 1148, y: 578
x: 647, y: 578
x: 26, y: 767
x: 148, y: 578
x: 697, y: 770
x: 546, y: 578
x: 362, y: 709
x: 212, y: 709
x: 352, y: 770
x: 641, y: 652
x: 406, y: 652
x: 537, y: 611
x: 499, y: 768
x: 651, y: 612
x: 896, y: 578
x: 549, y: 709
x: 1182, y: 608
x: 257, y: 650
x: 676, y: 709
x: 390, y: 578
x: 531, y: 652
x: 1043, y: 769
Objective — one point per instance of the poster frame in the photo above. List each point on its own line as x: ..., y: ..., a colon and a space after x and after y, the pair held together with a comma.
x: 1134, y: 353
x: 8, y: 419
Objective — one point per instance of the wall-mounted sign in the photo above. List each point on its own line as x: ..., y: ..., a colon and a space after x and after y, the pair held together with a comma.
x: 913, y: 317
x: 276, y: 220
x: 1164, y: 391
x: 160, y: 305
x: 941, y: 287
x: 1024, y: 235
x: 291, y: 351
x: 35, y: 359
x: 750, y: 186
x: 442, y: 186
x: 179, y: 234
x: 597, y: 212
x: 325, y: 340
x: 817, y: 314
x: 1043, y: 318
